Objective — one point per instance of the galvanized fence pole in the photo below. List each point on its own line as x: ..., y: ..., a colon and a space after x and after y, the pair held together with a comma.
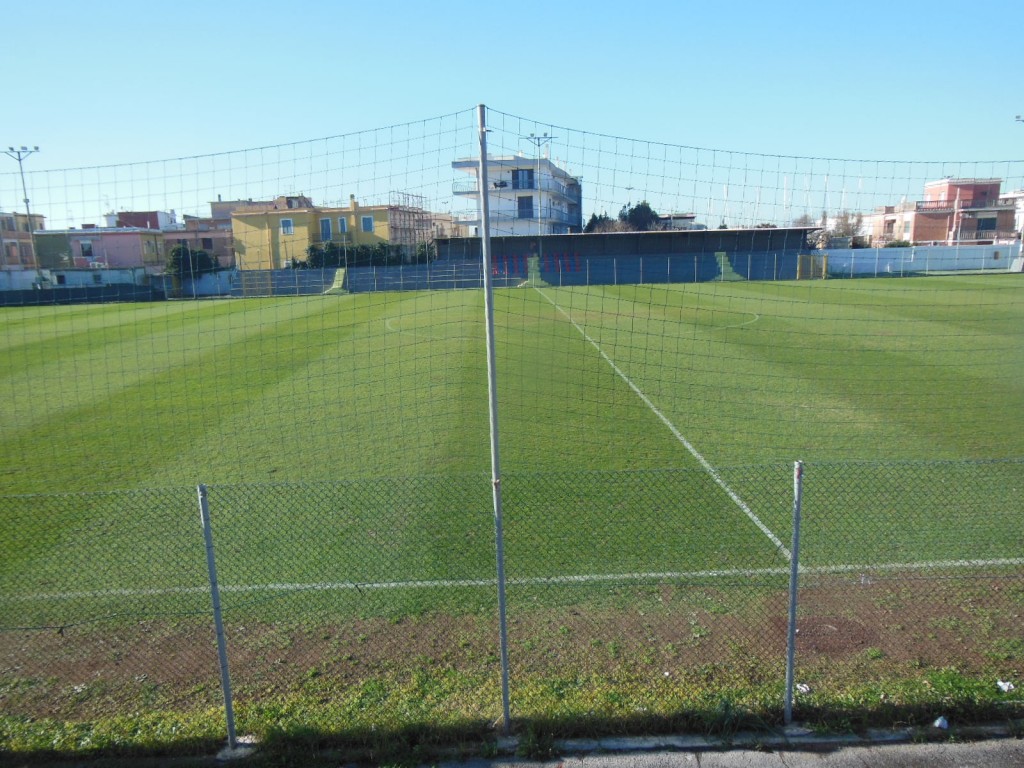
x: 794, y: 570
x: 222, y: 650
x: 492, y: 388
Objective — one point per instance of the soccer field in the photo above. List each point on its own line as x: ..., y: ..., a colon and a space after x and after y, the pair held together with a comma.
x: 643, y: 430
x: 393, y: 385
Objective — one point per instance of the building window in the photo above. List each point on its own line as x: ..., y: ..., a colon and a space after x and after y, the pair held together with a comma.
x: 8, y: 224
x: 906, y: 229
x: 987, y: 225
x: 522, y: 178
x: 525, y: 207
x: 287, y: 227
x: 325, y: 230
x: 207, y: 243
x: 367, y: 223
x: 86, y: 249
x: 343, y: 225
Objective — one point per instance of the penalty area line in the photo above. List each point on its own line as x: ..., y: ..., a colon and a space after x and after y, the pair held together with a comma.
x: 705, y: 464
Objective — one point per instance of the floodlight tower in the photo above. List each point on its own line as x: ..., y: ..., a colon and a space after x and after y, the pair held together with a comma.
x: 20, y: 154
x: 538, y: 142
x: 1020, y: 119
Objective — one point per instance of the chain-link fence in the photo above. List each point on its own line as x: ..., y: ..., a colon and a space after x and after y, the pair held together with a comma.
x: 631, y: 596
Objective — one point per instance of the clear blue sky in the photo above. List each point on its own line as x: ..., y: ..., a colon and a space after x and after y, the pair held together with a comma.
x: 111, y: 82
x: 127, y: 82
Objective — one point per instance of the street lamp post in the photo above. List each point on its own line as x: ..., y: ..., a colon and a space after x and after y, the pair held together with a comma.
x: 20, y: 154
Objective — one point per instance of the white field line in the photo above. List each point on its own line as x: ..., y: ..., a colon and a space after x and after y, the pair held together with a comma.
x: 753, y: 320
x: 593, y: 578
x: 678, y: 435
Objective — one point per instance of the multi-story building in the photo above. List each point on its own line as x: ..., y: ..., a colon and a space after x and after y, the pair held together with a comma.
x: 277, y: 234
x: 17, y: 247
x: 142, y: 219
x: 94, y: 247
x: 205, y: 233
x: 953, y: 211
x: 680, y: 221
x: 526, y: 196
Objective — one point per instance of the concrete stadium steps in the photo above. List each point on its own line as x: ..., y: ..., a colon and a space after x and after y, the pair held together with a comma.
x: 283, y: 282
x: 439, y: 275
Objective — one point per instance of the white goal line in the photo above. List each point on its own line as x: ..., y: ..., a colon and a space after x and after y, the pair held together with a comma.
x: 535, y: 581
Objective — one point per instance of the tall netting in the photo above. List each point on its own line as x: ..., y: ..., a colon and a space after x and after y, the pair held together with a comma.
x: 302, y: 328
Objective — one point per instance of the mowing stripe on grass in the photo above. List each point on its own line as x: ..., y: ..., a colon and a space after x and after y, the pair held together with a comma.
x: 678, y: 435
x: 535, y: 581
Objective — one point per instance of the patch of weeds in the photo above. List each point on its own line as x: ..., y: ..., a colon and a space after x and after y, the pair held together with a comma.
x: 726, y: 720
x: 950, y: 623
x: 1006, y: 649
x: 536, y: 744
x: 697, y: 630
x: 489, y: 749
x: 874, y: 654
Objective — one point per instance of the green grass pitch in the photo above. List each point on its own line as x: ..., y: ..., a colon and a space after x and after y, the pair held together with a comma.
x: 614, y: 403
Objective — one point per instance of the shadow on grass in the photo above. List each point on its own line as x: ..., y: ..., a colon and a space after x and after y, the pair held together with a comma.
x: 535, y: 738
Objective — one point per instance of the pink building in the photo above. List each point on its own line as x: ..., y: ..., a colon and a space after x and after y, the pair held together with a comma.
x: 115, y: 248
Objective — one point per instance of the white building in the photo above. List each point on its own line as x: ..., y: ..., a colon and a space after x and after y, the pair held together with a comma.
x: 1017, y: 196
x: 526, y: 196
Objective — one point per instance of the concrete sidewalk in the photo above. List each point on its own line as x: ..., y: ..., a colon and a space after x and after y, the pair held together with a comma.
x: 997, y: 753
x: 988, y: 747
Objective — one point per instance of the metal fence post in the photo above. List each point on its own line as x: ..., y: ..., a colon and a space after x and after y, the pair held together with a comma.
x: 222, y: 651
x: 492, y: 387
x: 794, y: 570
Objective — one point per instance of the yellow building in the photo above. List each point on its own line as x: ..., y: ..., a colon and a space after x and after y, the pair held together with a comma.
x: 275, y: 234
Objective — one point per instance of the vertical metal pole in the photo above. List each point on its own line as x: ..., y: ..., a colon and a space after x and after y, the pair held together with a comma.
x: 492, y: 389
x: 794, y: 570
x: 222, y: 650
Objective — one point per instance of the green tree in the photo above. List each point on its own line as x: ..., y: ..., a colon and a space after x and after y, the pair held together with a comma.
x: 184, y: 261
x: 639, y: 218
x: 325, y: 256
x: 600, y: 223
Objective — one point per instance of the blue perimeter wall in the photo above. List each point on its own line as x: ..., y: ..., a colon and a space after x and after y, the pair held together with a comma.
x: 93, y: 294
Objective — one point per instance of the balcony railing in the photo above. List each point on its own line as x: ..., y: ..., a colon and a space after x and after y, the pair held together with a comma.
x: 949, y: 205
x: 965, y: 238
x: 549, y: 215
x: 511, y: 185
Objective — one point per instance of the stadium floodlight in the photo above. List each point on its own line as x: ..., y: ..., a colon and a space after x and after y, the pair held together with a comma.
x: 20, y: 155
